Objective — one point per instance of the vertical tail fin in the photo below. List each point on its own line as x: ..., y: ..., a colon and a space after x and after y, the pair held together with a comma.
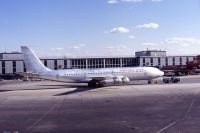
x: 32, y: 62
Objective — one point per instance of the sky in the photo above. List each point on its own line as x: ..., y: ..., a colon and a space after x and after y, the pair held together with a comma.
x: 100, y: 27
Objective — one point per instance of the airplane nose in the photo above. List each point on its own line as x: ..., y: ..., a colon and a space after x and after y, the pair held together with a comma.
x: 161, y: 73
x: 155, y: 73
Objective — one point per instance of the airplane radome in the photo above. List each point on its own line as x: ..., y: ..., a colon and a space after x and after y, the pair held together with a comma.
x: 94, y: 77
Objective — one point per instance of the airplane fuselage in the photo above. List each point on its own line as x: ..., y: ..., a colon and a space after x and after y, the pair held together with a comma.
x: 86, y: 75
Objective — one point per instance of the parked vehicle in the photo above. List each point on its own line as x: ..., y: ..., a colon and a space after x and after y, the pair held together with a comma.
x: 171, y: 79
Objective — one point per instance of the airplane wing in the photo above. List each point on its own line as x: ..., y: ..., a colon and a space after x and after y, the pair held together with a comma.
x: 99, y: 78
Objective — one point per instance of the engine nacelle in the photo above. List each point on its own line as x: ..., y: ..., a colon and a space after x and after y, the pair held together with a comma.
x: 115, y: 81
x: 118, y: 80
x: 112, y: 81
x: 125, y: 80
x: 107, y: 82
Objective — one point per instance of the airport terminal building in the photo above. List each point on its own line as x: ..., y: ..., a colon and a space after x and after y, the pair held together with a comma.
x: 10, y: 63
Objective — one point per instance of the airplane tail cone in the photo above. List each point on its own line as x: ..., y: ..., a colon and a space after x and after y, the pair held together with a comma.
x: 32, y: 62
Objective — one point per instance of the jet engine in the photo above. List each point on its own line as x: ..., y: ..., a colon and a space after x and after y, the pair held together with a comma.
x: 107, y: 82
x: 115, y: 81
x: 118, y: 80
x: 125, y: 80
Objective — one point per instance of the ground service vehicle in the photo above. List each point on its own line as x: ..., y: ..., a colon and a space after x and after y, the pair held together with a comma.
x: 171, y: 80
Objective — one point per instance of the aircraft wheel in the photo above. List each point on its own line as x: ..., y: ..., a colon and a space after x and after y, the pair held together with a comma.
x: 100, y: 84
x: 92, y: 84
x: 89, y: 84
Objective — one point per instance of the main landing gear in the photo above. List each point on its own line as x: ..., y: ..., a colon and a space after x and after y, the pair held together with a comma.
x: 95, y: 83
x: 149, y: 82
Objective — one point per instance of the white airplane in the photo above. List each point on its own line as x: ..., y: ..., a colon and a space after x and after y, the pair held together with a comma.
x: 94, y: 77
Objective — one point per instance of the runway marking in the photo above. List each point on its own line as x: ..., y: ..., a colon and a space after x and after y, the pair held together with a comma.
x: 191, y: 105
x: 161, y: 130
x: 44, y: 115
x: 188, y: 111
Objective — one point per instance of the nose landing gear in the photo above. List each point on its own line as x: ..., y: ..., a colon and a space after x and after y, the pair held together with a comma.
x: 149, y: 82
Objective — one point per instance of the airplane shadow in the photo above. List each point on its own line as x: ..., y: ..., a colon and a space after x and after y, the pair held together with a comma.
x: 46, y: 88
x: 77, y: 90
x: 64, y: 86
x: 5, y: 90
x: 81, y: 88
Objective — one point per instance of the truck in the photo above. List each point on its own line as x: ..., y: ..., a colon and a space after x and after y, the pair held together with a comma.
x: 171, y: 79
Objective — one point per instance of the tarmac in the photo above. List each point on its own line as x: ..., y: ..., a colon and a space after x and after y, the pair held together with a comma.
x: 53, y: 107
